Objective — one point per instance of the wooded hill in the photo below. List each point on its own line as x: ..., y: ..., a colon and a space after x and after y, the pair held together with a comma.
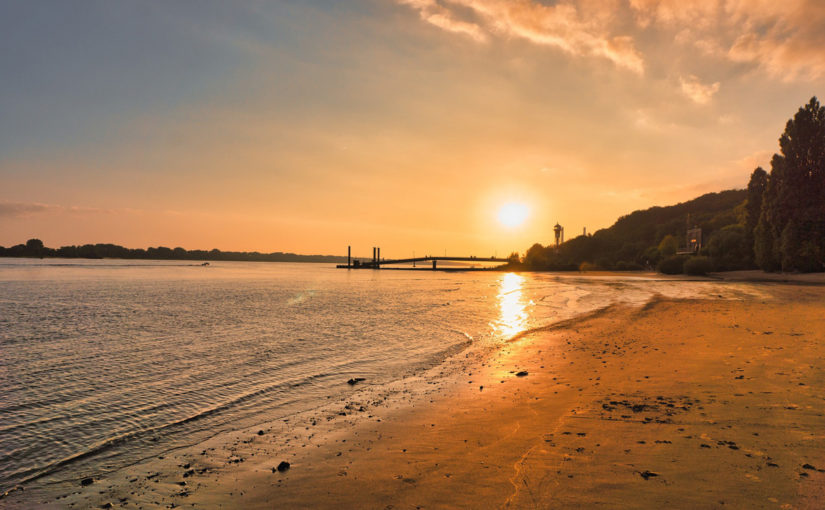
x: 777, y: 223
x: 642, y: 239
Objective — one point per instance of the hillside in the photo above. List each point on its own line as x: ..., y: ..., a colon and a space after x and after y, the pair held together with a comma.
x: 633, y: 242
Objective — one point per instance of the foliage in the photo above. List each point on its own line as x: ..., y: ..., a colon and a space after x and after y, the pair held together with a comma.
x: 672, y: 265
x: 753, y: 207
x: 729, y: 249
x: 790, y: 232
x: 587, y: 266
x: 634, y: 241
x: 698, y: 266
x: 669, y: 246
x: 35, y: 248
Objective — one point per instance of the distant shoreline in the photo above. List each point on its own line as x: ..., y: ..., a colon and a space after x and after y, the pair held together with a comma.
x: 34, y: 248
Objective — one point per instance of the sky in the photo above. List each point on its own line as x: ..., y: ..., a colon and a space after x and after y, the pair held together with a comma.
x: 307, y: 126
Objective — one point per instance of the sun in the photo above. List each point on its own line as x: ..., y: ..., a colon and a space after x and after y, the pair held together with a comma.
x: 513, y: 214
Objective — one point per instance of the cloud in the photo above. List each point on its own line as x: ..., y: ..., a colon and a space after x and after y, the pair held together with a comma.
x: 785, y: 40
x: 698, y: 92
x: 24, y: 209
x: 436, y: 14
x: 28, y: 209
x: 563, y: 26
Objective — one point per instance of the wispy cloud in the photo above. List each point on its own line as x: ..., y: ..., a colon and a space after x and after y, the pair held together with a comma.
x: 436, y: 14
x: 563, y: 26
x: 697, y: 91
x: 27, y: 209
x: 784, y: 39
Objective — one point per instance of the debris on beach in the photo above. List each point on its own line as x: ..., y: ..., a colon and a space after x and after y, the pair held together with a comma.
x: 647, y: 474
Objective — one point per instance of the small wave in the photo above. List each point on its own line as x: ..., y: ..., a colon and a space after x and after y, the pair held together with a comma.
x: 36, y: 473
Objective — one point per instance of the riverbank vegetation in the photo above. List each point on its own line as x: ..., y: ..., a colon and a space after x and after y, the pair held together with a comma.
x: 777, y: 223
x: 35, y: 248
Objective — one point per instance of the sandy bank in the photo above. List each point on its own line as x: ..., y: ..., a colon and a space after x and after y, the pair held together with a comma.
x: 685, y: 404
x: 691, y: 404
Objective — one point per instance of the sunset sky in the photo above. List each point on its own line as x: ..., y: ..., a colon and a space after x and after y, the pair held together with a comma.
x: 305, y: 126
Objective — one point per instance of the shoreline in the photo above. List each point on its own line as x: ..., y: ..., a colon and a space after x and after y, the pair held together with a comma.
x: 675, y: 403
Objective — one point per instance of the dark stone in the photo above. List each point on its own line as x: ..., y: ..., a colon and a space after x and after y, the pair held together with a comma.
x: 260, y: 432
x: 647, y: 474
x: 283, y: 466
x: 87, y: 481
x: 522, y: 373
x: 808, y: 466
x: 355, y: 380
x: 106, y: 505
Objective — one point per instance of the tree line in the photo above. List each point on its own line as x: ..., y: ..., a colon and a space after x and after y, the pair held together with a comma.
x: 35, y: 248
x: 777, y: 223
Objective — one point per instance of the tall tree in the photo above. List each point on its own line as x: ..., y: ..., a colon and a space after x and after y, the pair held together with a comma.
x: 753, y: 208
x: 791, y: 228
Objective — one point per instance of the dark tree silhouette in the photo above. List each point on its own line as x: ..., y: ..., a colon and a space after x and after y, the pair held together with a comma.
x: 790, y: 233
x: 753, y: 207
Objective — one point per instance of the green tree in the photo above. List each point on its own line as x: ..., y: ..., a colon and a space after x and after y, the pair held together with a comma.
x: 791, y: 230
x: 668, y: 246
x: 34, y: 248
x: 753, y: 208
x: 728, y: 248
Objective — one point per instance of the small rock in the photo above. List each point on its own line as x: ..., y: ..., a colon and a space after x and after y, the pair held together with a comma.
x: 87, y: 481
x: 808, y: 466
x: 260, y: 432
x: 647, y: 474
x: 106, y: 505
x: 355, y: 380
x: 522, y: 373
x: 283, y: 466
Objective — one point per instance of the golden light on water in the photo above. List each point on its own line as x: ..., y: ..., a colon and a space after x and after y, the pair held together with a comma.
x: 513, y: 318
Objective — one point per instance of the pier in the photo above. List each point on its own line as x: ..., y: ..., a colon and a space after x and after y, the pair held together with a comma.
x: 429, y: 262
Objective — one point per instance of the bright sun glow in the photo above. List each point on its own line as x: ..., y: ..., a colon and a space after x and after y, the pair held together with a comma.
x: 513, y: 214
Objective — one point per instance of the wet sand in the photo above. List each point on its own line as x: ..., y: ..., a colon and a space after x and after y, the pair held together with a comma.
x: 684, y: 404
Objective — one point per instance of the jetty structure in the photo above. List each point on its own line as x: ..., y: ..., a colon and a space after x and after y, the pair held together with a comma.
x: 378, y: 263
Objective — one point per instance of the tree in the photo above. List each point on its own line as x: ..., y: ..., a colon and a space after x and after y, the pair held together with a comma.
x: 728, y: 249
x: 668, y: 246
x: 34, y: 248
x: 791, y: 230
x: 753, y: 208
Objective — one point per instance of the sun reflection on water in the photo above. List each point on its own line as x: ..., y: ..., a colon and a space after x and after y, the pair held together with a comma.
x: 513, y: 319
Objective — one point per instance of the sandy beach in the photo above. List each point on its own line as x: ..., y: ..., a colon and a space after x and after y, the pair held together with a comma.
x: 678, y: 404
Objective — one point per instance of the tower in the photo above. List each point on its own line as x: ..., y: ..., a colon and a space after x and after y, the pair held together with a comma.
x: 559, y: 231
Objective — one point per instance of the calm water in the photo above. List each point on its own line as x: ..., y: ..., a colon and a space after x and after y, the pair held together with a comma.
x: 108, y: 362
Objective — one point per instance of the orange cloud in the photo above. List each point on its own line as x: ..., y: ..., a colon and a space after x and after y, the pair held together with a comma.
x: 784, y: 39
x: 698, y: 92
x: 563, y: 26
x: 435, y: 14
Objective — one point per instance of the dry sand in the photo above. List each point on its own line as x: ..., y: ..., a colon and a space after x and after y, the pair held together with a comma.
x: 679, y: 404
